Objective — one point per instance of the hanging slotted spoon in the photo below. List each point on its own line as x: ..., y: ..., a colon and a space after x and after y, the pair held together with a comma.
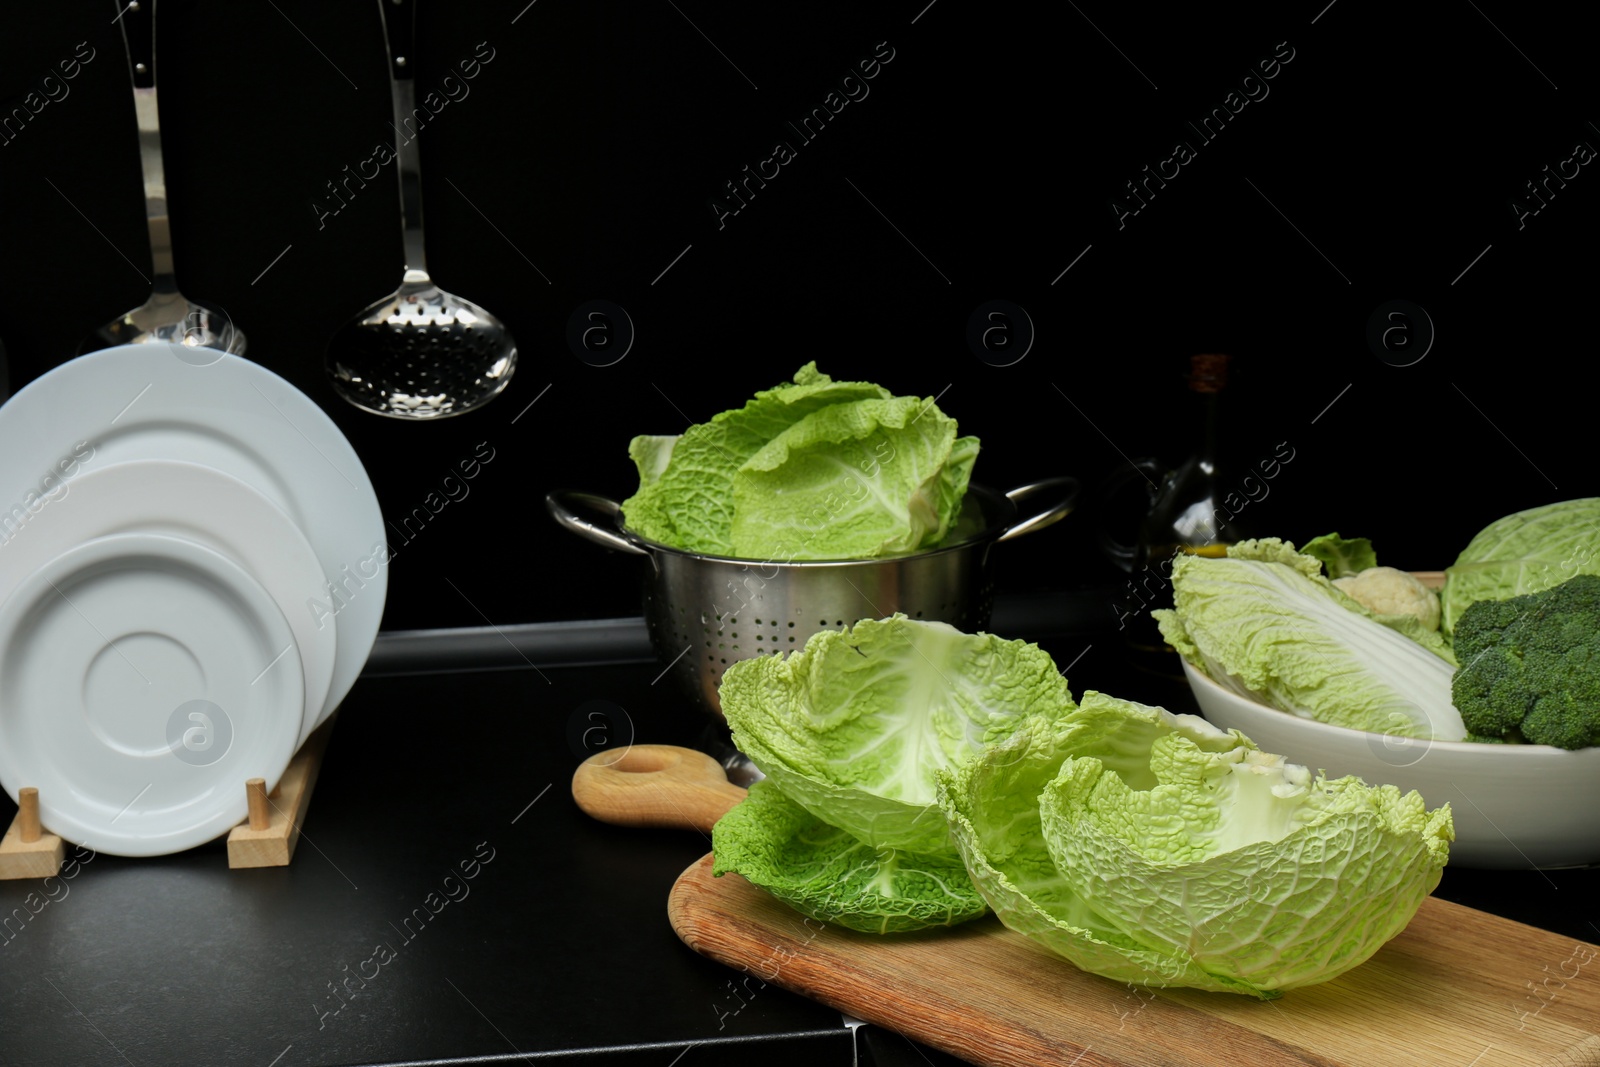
x: 168, y: 315
x: 420, y: 353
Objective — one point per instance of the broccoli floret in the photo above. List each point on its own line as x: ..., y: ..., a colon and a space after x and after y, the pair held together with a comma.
x: 1530, y: 665
x: 1481, y: 740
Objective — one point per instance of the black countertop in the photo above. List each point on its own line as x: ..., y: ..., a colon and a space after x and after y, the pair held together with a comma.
x: 450, y: 904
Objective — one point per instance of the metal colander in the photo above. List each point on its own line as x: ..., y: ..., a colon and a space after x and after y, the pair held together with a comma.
x: 706, y: 612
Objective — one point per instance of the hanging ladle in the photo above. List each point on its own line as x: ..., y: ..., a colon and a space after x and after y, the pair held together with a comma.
x: 422, y: 352
x: 168, y: 315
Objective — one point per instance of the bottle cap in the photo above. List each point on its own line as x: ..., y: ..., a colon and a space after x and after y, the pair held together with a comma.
x: 1208, y: 372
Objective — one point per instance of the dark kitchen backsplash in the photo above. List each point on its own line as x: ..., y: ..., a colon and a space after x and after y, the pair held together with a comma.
x: 758, y: 186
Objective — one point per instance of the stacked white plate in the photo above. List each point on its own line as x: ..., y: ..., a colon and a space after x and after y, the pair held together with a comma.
x: 192, y: 572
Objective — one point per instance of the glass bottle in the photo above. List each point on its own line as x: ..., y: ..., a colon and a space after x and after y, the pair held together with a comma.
x: 1190, y: 512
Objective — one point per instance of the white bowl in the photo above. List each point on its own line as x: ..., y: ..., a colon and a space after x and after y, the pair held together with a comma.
x: 1514, y: 806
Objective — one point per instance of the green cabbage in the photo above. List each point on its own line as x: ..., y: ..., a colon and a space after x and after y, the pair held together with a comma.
x: 1264, y: 622
x: 855, y: 725
x: 685, y: 496
x: 1341, y: 557
x: 817, y: 469
x: 822, y: 871
x: 651, y: 455
x: 1154, y: 848
x: 861, y: 480
x: 1527, y: 552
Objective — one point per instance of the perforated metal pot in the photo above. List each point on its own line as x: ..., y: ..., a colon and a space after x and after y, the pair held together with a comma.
x: 706, y: 612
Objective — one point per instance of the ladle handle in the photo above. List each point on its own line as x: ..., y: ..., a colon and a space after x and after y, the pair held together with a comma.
x: 138, y: 26
x: 655, y: 785
x: 137, y: 22
x: 399, y: 27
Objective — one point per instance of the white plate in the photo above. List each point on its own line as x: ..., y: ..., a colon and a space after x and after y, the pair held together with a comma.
x: 166, y: 401
x: 198, y: 504
x: 143, y: 680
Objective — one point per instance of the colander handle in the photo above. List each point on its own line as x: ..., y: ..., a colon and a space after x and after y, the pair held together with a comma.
x: 1067, y: 487
x: 566, y: 507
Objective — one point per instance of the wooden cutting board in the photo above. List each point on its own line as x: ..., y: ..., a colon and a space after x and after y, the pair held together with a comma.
x: 1459, y: 988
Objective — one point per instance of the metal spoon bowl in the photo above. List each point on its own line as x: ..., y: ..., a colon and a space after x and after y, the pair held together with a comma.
x: 421, y: 352
x: 169, y: 316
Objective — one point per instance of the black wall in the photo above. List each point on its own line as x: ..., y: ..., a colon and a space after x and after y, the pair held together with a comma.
x: 1386, y: 155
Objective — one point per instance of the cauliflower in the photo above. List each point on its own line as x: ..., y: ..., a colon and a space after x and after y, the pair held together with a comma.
x: 1387, y: 591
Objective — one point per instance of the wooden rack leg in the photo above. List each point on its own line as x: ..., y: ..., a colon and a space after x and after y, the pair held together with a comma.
x: 268, y: 837
x: 255, y: 792
x: 27, y: 851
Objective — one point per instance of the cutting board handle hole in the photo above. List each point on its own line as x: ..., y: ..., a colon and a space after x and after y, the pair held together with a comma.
x: 638, y: 761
